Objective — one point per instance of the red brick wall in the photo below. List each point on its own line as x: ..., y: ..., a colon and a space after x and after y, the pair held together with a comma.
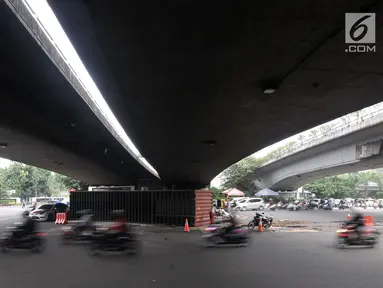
x: 203, y: 202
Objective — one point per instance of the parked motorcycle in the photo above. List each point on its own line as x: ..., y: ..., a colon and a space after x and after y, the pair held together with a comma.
x: 267, y: 221
x: 346, y: 236
x: 280, y: 205
x: 294, y: 207
x: 237, y: 236
x: 311, y: 205
x: 272, y: 207
x: 357, y: 205
x: 343, y: 206
x: 80, y: 231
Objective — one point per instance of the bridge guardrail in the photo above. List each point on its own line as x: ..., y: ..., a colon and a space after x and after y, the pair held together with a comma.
x: 313, y: 141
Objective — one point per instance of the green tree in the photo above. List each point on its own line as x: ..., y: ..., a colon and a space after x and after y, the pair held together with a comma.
x: 55, y: 186
x: 3, y: 190
x: 27, y: 181
x: 18, y: 177
x: 217, y: 193
x: 344, y: 185
x: 69, y: 182
x: 333, y: 186
x: 40, y: 178
x: 236, y: 176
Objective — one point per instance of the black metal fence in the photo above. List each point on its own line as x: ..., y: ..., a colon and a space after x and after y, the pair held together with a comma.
x: 158, y: 207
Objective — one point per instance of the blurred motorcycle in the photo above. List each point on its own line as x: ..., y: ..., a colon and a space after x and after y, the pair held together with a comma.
x: 117, y: 238
x: 23, y: 236
x: 80, y: 231
x: 237, y: 236
x: 347, y: 236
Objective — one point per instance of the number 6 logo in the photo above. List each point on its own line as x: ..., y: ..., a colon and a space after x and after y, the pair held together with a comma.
x: 360, y: 28
x: 358, y: 25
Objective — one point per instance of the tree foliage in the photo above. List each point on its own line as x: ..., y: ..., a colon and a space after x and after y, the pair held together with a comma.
x: 27, y: 181
x: 217, y: 193
x: 342, y: 186
x: 69, y: 182
x: 236, y: 175
x: 3, y: 190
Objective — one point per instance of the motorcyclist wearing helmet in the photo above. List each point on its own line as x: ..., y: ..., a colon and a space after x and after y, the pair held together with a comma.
x: 357, y: 222
x: 27, y: 227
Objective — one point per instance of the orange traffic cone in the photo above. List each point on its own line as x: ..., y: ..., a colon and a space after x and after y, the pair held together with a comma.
x: 186, y: 228
x: 348, y: 217
x: 260, y: 226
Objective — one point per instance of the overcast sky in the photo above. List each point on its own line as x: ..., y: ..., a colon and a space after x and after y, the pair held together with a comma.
x: 4, y: 162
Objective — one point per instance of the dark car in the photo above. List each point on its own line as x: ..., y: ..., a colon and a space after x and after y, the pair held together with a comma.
x: 47, y: 212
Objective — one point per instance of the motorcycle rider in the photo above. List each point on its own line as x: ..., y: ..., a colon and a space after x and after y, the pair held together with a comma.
x: 356, y: 222
x: 228, y: 225
x: 84, y: 222
x: 26, y: 228
x: 120, y: 228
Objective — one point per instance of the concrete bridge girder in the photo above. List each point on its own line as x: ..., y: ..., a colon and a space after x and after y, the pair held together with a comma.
x: 293, y: 174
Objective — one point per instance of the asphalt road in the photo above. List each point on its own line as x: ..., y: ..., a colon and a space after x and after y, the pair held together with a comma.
x: 315, y: 215
x: 174, y: 259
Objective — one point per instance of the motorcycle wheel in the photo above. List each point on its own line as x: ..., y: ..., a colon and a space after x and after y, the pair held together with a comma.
x: 251, y: 226
x: 38, y: 245
x: 340, y: 243
x: 4, y: 247
x: 208, y: 243
x: 266, y: 225
x: 133, y: 249
x: 93, y: 251
x: 65, y: 239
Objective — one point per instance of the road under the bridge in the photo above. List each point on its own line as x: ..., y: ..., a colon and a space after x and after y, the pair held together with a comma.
x: 176, y: 259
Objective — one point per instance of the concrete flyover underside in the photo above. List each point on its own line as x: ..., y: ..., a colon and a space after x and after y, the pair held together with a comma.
x: 185, y: 79
x: 334, y: 157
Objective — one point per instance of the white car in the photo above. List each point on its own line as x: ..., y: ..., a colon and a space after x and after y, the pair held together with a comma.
x: 251, y: 204
x: 47, y: 212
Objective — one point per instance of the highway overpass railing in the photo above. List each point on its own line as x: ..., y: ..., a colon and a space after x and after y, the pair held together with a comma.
x: 330, y: 133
